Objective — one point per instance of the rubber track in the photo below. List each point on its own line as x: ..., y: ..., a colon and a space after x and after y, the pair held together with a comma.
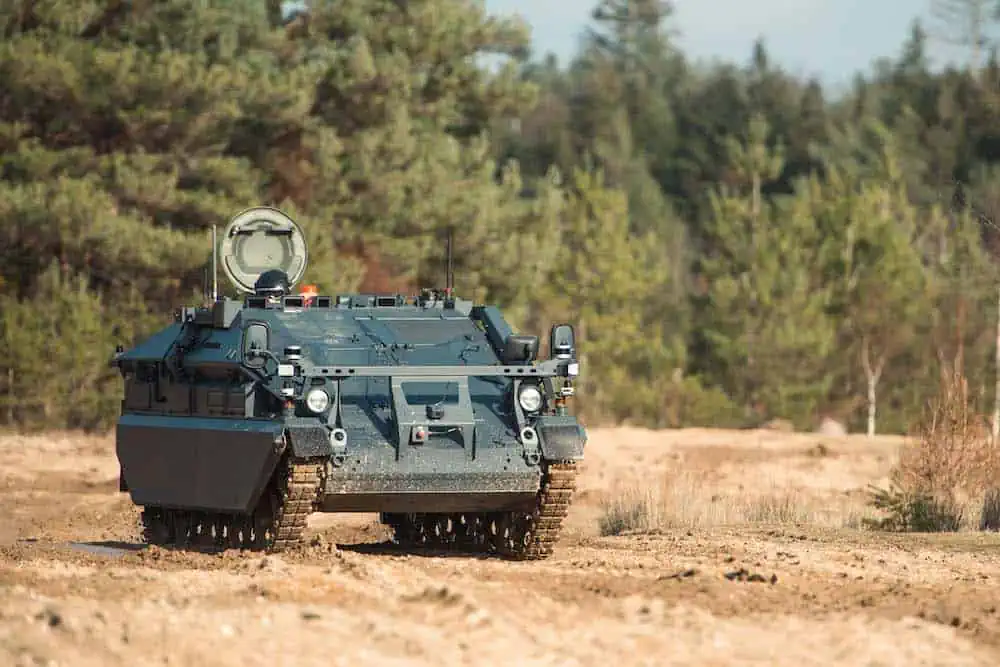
x: 554, y: 499
x: 519, y: 535
x: 299, y: 493
x: 295, y: 489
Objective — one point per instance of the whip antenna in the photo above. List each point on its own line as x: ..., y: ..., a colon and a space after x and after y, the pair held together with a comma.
x: 215, y: 265
x: 450, y: 277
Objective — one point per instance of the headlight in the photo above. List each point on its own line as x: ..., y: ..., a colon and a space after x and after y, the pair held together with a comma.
x: 530, y: 398
x: 317, y: 401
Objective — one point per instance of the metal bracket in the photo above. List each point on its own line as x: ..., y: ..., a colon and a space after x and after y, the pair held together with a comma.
x: 338, y: 436
x: 532, y: 450
x: 406, y: 416
x: 338, y: 445
x: 520, y: 420
x: 338, y: 412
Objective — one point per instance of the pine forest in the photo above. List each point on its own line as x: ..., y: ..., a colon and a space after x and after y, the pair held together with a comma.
x: 734, y: 244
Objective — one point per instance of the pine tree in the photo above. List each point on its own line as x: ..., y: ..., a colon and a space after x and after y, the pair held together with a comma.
x: 127, y: 130
x: 150, y: 122
x: 605, y: 281
x: 401, y: 92
x: 874, y: 272
x: 764, y: 313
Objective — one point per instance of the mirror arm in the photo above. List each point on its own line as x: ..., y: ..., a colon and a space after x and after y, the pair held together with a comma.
x: 264, y: 380
x: 256, y: 353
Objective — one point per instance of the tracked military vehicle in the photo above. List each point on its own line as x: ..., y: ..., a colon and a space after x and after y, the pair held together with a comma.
x: 244, y: 416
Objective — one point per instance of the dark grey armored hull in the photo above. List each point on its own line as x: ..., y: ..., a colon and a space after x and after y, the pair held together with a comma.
x: 240, y: 420
x: 252, y: 483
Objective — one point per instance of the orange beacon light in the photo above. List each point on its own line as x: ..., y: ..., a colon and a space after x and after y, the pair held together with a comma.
x: 308, y: 293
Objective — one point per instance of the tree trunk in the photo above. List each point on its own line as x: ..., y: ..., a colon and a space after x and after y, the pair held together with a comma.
x: 274, y: 13
x: 872, y: 373
x: 996, y: 388
x: 10, y: 394
x: 872, y: 385
x: 978, y: 18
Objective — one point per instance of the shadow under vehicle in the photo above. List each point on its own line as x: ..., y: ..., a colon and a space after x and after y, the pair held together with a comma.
x: 243, y: 417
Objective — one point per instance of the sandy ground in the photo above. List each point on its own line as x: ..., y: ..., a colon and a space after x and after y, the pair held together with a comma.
x: 707, y: 588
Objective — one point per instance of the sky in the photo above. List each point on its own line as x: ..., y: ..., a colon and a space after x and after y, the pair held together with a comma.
x: 831, y: 39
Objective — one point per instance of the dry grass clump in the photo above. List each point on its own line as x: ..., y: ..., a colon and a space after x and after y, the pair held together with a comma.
x: 685, y: 502
x: 634, y: 508
x: 945, y: 471
x: 989, y: 513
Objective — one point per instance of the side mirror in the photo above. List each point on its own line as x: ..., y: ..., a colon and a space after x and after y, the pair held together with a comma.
x: 562, y: 342
x: 520, y: 349
x: 255, y: 341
